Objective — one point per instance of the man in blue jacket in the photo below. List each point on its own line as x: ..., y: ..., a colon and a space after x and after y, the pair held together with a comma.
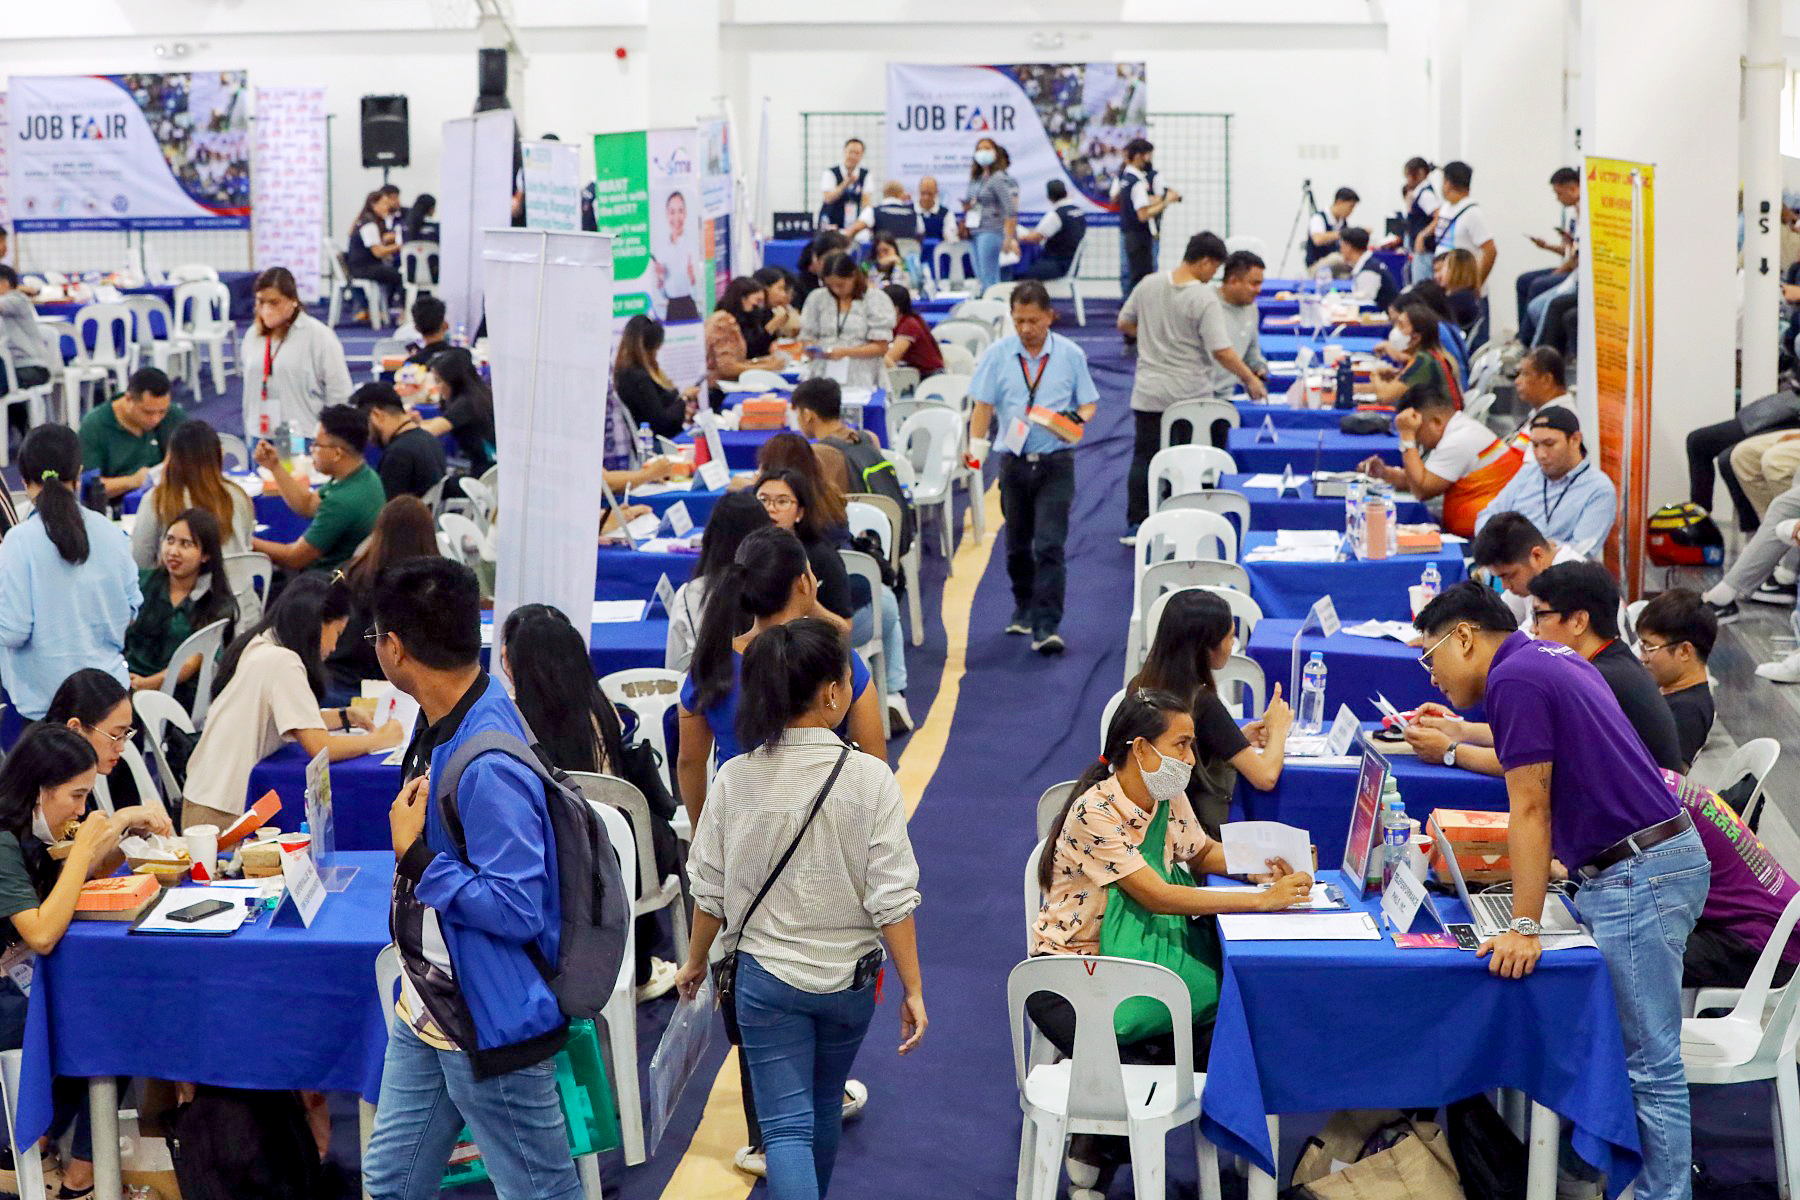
x: 474, y: 912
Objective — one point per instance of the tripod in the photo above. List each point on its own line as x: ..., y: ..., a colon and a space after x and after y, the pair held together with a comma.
x: 1308, y: 206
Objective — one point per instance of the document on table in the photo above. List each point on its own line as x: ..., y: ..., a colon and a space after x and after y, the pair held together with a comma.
x: 1299, y: 927
x: 1261, y: 481
x: 607, y: 612
x: 158, y: 919
x: 1308, y: 537
x: 1293, y: 554
x: 1400, y: 631
x: 1325, y: 897
x: 640, y: 490
x: 1249, y: 845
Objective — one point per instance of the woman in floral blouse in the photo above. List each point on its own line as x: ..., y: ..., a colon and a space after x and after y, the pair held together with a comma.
x: 726, y: 354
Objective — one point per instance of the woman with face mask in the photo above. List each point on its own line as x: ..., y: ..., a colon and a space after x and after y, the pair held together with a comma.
x: 991, y: 210
x: 1415, y: 344
x: 1117, y: 879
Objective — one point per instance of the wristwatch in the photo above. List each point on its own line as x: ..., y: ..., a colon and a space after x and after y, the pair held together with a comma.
x: 1450, y: 754
x: 1524, y: 925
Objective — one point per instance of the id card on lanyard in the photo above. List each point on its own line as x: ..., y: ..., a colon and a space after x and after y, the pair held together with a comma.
x: 19, y: 965
x: 265, y: 411
x: 1018, y: 428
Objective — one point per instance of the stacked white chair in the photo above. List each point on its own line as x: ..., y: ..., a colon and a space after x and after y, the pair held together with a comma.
x: 206, y: 641
x: 1187, y: 468
x: 36, y: 399
x: 973, y: 336
x: 931, y: 439
x: 957, y: 361
x: 203, y: 318
x: 995, y: 314
x: 169, y: 351
x: 953, y: 264
x: 1199, y: 415
x: 1246, y: 615
x: 250, y: 575
x: 858, y: 565
x: 1177, y: 536
x: 649, y: 693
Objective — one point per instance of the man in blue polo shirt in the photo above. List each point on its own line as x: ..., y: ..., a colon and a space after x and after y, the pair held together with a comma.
x: 1580, y: 783
x: 1034, y: 390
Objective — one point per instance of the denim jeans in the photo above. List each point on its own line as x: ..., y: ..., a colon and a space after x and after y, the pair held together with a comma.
x: 1035, y: 498
x: 1641, y: 911
x: 427, y: 1096
x: 986, y: 243
x: 1528, y: 285
x: 1539, y: 308
x: 799, y: 1046
x: 893, y: 642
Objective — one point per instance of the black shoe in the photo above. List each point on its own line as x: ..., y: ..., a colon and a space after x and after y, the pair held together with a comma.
x: 1775, y: 593
x: 1048, y: 643
x: 1020, y: 623
x: 1725, y: 614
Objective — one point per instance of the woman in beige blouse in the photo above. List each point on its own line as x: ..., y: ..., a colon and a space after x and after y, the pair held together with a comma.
x: 726, y: 354
x: 850, y: 322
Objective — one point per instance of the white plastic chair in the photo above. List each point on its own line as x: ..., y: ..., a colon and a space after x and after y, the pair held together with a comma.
x: 473, y: 546
x: 619, y: 1017
x: 1756, y: 758
x: 957, y: 361
x: 386, y: 347
x: 142, y: 781
x: 189, y: 272
x: 1001, y: 291
x: 342, y: 285
x: 666, y: 892
x: 951, y: 390
x: 1755, y: 1041
x: 250, y: 575
x: 1159, y: 577
x: 1183, y: 534
x: 169, y: 351
x: 27, y: 1162
x: 1092, y: 1092
x: 36, y: 399
x: 1241, y: 679
x: 863, y: 508
x: 1199, y: 416
x: 1069, y: 286
x: 901, y: 381
x: 233, y: 450
x: 860, y: 566
x: 1049, y: 804
x: 995, y: 314
x: 479, y: 503
x: 1108, y: 709
x: 203, y: 317
x: 649, y: 693
x: 1477, y: 407
x: 973, y: 336
x: 1187, y: 468
x: 206, y: 642
x: 78, y: 379
x: 1230, y: 505
x: 953, y: 263
x: 931, y: 439
x: 1483, y: 367
x: 418, y: 268
x: 115, y: 345
x: 157, y: 712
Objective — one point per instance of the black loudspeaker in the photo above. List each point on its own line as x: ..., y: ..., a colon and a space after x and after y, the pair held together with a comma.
x: 491, y: 80
x: 386, y: 141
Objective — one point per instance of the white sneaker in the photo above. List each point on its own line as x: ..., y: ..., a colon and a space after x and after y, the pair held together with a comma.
x: 899, y: 719
x: 856, y: 1098
x: 751, y: 1161
x: 1785, y: 671
x: 662, y: 978
x: 1083, y: 1176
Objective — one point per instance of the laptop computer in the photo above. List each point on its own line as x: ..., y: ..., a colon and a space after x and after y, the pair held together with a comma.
x: 1492, y: 912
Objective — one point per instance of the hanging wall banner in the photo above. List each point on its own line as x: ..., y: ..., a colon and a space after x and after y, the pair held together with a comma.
x: 475, y: 194
x: 716, y: 200
x: 1067, y: 121
x: 1618, y: 207
x: 552, y: 186
x: 130, y: 151
x: 289, y: 192
x: 647, y: 195
x: 549, y: 338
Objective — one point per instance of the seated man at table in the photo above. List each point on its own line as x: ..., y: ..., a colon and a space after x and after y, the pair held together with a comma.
x: 412, y: 460
x: 1511, y: 549
x: 1059, y: 232
x: 21, y: 337
x: 1539, y: 386
x: 1240, y: 283
x: 343, y: 511
x: 1444, y: 452
x: 476, y: 914
x: 1676, y: 632
x: 1580, y: 784
x: 434, y: 330
x: 933, y: 214
x: 126, y: 437
x: 1370, y: 282
x: 1563, y: 492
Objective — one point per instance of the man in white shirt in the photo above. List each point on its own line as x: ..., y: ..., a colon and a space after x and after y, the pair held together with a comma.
x: 1140, y: 213
x: 933, y: 216
x: 1512, y: 549
x: 1460, y: 224
x: 895, y: 214
x: 1058, y: 234
x: 1445, y: 452
x: 841, y: 188
x: 1372, y: 284
x: 1324, y: 226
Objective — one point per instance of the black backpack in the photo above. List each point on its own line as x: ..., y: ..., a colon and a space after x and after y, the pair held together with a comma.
x: 596, y: 907
x: 870, y: 471
x: 230, y: 1142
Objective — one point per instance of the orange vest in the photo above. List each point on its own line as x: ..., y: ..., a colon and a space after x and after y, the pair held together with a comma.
x: 1466, y: 497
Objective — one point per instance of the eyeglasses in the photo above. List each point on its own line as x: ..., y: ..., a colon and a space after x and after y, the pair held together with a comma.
x: 373, y: 636
x: 777, y: 501
x: 1425, y: 658
x: 1538, y: 615
x: 1648, y: 648
x: 117, y: 739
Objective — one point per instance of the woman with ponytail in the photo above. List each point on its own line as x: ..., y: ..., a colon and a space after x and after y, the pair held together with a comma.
x: 1117, y: 878
x: 68, y: 585
x: 808, y: 956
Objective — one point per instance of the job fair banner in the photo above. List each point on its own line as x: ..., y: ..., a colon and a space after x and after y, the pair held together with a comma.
x: 1619, y: 209
x: 1067, y: 121
x: 647, y: 196
x: 167, y: 151
x: 552, y: 186
x: 716, y: 195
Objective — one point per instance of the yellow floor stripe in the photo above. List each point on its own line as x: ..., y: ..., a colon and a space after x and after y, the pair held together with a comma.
x: 706, y: 1171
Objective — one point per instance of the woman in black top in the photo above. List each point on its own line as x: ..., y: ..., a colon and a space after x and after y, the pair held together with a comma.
x: 788, y: 497
x: 403, y: 530
x: 467, y: 409
x: 780, y: 317
x: 1194, y: 639
x: 812, y: 263
x: 420, y: 222
x: 647, y: 393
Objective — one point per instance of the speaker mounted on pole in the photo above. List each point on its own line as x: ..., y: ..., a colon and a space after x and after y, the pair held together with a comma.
x: 386, y: 137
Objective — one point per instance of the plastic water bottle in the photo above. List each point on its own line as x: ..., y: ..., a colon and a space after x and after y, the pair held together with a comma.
x: 461, y: 336
x: 1346, y: 384
x: 1353, y: 503
x: 1312, y: 696
x: 1395, y: 834
x: 1392, y: 514
x: 1374, y: 542
x: 646, y: 442
x: 1431, y: 580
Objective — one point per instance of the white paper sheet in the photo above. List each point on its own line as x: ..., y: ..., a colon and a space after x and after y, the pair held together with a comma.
x: 1308, y: 537
x: 1293, y: 554
x: 176, y: 899
x: 1321, y: 897
x: 1261, y: 481
x: 669, y: 545
x: 640, y: 490
x: 610, y: 611
x: 1400, y: 631
x: 1250, y: 844
x: 1299, y: 927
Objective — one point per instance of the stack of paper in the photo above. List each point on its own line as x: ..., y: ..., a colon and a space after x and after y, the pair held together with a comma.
x: 1308, y: 537
x: 1400, y: 631
x: 1299, y: 927
x: 1293, y: 554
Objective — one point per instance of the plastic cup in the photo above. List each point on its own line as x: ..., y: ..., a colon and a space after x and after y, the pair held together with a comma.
x: 1415, y: 595
x: 1418, y: 854
x: 203, y: 852
x: 294, y: 843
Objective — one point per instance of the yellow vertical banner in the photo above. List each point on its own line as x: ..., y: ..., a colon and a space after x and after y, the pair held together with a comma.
x: 1618, y: 210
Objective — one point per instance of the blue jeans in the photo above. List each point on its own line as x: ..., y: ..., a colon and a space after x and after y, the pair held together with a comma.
x: 1540, y: 305
x: 799, y: 1046
x: 893, y: 642
x: 1641, y: 911
x: 427, y: 1096
x: 986, y: 244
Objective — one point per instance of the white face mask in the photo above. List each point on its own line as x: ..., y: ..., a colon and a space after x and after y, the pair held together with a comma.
x: 40, y: 827
x: 1398, y: 342
x: 984, y: 158
x: 1169, y: 779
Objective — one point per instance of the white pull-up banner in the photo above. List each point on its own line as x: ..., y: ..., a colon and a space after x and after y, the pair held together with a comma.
x: 474, y: 193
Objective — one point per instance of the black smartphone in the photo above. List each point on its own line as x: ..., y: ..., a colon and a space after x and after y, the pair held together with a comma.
x: 200, y: 911
x: 1464, y: 935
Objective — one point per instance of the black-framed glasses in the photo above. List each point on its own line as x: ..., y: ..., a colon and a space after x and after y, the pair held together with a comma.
x: 1538, y: 614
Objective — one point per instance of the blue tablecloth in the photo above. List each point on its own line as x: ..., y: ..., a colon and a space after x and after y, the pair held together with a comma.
x: 1307, y: 450
x: 1357, y: 667
x: 1277, y: 330
x: 625, y: 574
x: 1316, y: 797
x: 699, y: 501
x: 617, y: 645
x: 1270, y: 510
x: 785, y: 253
x: 1554, y: 1035
x: 362, y: 791
x: 1360, y: 588
x: 1285, y: 416
x: 274, y: 1006
x: 742, y: 446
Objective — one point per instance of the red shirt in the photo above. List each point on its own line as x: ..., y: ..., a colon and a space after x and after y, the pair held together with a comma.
x: 923, y: 354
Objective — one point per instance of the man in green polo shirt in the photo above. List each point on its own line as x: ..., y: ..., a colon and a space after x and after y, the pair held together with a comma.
x: 124, y: 439
x: 343, y: 511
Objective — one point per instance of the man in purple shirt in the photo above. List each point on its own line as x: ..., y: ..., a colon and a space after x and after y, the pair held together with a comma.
x: 1579, y: 782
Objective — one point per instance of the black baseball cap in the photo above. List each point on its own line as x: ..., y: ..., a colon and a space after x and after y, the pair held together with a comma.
x: 1556, y: 417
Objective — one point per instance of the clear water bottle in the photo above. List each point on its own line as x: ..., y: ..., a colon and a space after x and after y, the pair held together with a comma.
x: 1312, y: 696
x: 1392, y: 513
x: 1346, y: 384
x: 646, y: 442
x: 1395, y: 834
x: 1431, y: 581
x: 1353, y: 503
x: 461, y: 336
x: 296, y: 442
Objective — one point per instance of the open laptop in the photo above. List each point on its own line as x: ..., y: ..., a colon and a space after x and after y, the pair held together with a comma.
x: 1492, y: 912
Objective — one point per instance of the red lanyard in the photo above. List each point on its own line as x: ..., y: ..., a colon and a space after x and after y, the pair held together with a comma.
x: 1032, y: 381
x: 268, y: 363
